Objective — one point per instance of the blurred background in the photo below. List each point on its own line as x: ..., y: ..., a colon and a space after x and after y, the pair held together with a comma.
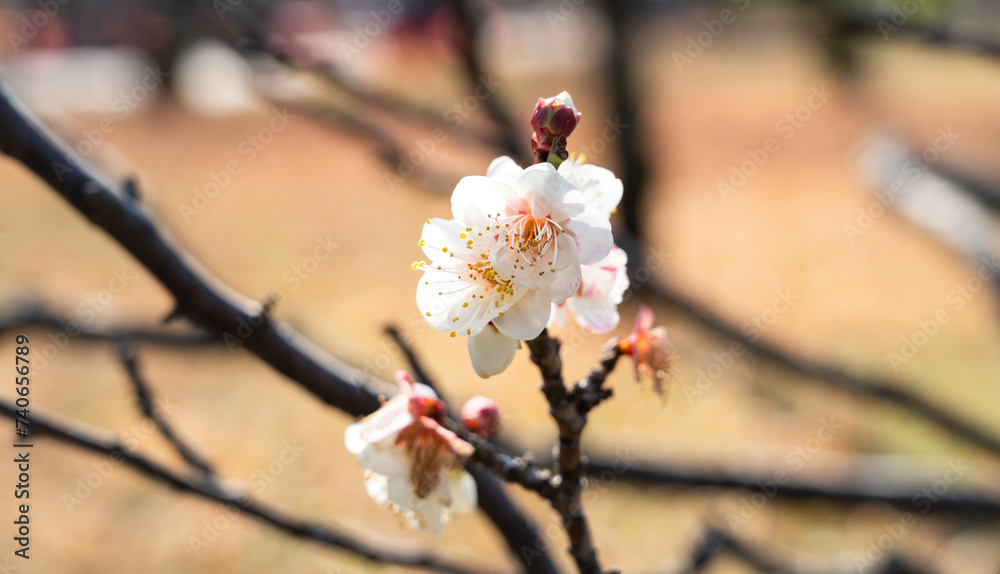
x: 822, y: 177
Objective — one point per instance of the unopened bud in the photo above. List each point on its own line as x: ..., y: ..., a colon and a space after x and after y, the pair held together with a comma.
x: 553, y: 120
x: 481, y: 415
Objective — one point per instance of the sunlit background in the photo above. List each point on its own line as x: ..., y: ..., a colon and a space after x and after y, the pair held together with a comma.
x: 804, y: 178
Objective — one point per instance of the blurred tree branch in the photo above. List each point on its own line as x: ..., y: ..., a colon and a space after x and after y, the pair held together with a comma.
x: 78, y: 434
x: 862, y: 485
x: 128, y: 355
x: 469, y: 24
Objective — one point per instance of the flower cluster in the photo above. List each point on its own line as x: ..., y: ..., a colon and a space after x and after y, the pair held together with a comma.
x: 520, y: 242
x: 415, y: 465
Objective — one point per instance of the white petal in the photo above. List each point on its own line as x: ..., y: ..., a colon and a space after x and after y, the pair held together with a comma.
x: 526, y: 318
x: 592, y: 232
x: 431, y: 514
x: 559, y: 313
x: 491, y: 352
x: 376, y: 487
x: 382, y: 425
x: 600, y: 188
x: 546, y: 189
x: 462, y: 491
x: 503, y: 168
x: 595, y: 315
x: 568, y: 273
x: 399, y: 489
x: 391, y: 461
x: 489, y: 195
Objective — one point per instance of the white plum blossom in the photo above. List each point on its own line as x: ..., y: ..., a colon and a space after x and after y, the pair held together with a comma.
x: 595, y: 304
x: 414, y: 465
x: 600, y: 189
x: 515, y: 246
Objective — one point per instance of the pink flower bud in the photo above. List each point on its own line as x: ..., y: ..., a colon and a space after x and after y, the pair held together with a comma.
x: 553, y: 118
x: 481, y: 415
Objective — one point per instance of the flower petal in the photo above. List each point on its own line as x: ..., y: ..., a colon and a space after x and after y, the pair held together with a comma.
x: 462, y: 491
x: 560, y: 311
x: 526, y: 319
x: 391, y: 461
x: 491, y: 352
x: 491, y: 196
x: 503, y: 168
x: 592, y: 232
x: 600, y: 188
x: 544, y: 187
x: 595, y: 315
x: 568, y: 272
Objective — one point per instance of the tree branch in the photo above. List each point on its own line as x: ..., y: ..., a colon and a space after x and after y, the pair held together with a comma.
x: 203, y: 299
x: 75, y: 433
x: 569, y: 409
x: 129, y: 357
x: 34, y: 314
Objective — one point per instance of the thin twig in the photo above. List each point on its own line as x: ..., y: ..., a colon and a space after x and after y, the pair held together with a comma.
x: 74, y: 432
x: 129, y: 357
x: 416, y: 365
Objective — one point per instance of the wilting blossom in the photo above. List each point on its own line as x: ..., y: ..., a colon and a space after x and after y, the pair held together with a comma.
x: 415, y: 465
x: 651, y: 350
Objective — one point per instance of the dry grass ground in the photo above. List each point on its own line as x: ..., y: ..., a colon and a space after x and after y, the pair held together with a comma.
x: 782, y: 230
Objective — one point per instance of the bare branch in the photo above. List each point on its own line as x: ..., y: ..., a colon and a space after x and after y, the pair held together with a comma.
x: 75, y: 433
x: 129, y: 358
x: 20, y: 315
x: 416, y: 365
